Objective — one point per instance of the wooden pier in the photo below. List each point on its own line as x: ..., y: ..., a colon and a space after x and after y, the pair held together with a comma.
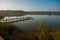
x: 14, y: 18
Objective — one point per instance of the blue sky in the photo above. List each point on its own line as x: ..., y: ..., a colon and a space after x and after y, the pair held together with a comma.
x: 30, y: 5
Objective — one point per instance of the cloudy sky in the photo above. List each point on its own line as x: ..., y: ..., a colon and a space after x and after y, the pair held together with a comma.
x: 30, y: 5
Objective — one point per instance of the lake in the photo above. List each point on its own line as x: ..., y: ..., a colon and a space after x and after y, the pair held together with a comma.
x: 52, y: 22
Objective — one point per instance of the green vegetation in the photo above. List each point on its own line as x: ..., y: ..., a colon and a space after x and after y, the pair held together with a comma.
x: 7, y: 30
x: 10, y: 32
x: 12, y: 13
x: 1, y: 17
x: 20, y: 13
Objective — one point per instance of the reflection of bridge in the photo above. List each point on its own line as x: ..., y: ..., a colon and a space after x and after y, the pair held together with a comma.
x: 14, y: 18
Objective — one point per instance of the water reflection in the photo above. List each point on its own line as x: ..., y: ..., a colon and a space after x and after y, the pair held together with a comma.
x: 52, y: 22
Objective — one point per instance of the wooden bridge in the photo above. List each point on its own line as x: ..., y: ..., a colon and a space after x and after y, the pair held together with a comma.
x: 14, y: 18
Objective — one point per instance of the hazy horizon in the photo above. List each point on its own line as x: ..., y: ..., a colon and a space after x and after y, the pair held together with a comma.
x: 30, y: 5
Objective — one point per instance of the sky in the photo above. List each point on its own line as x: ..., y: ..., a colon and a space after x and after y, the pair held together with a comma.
x: 30, y: 5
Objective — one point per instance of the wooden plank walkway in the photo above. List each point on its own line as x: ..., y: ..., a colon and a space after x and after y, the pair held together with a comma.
x: 15, y: 18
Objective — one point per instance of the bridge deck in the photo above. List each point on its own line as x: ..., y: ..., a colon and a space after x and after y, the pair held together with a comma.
x: 14, y: 19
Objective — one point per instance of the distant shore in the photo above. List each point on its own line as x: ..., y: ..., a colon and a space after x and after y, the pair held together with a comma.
x: 21, y: 13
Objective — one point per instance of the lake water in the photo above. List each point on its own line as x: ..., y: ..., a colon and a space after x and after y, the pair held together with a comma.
x: 52, y: 22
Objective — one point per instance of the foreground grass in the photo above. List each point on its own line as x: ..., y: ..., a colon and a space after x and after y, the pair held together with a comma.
x: 10, y: 32
x: 7, y: 30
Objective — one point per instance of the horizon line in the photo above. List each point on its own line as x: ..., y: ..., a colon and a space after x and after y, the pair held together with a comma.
x: 30, y: 10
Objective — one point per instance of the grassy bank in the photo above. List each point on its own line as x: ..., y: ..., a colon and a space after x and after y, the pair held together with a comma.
x: 11, y: 32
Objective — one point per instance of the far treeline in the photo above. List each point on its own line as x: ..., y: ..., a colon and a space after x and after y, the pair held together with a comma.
x: 20, y: 13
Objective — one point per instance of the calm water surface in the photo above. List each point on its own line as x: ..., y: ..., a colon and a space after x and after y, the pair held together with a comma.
x: 52, y: 22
